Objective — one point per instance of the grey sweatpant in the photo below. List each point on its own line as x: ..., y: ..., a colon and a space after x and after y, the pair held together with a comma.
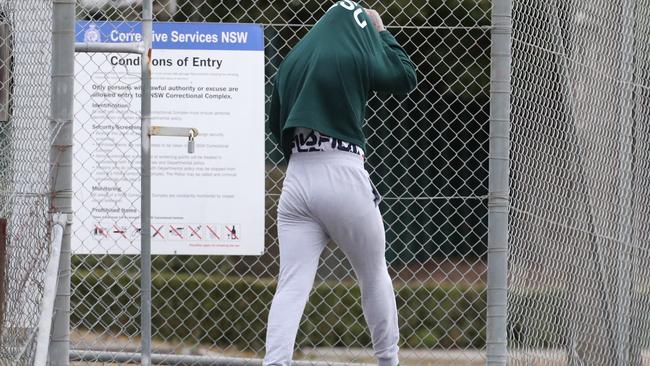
x: 329, y: 195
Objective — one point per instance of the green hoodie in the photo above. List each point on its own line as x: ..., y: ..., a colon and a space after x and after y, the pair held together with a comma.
x: 325, y: 81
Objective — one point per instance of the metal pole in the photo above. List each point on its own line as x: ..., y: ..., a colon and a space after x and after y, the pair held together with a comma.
x: 61, y: 166
x: 639, y: 213
x: 3, y: 269
x: 145, y: 251
x: 621, y: 320
x: 109, y: 47
x: 499, y: 188
x: 49, y: 291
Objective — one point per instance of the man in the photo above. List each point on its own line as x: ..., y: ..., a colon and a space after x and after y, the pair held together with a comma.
x: 317, y: 112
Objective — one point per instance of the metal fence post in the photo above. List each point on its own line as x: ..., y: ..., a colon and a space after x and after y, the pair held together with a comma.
x: 499, y: 174
x: 621, y: 321
x: 3, y: 270
x: 61, y: 165
x: 145, y: 252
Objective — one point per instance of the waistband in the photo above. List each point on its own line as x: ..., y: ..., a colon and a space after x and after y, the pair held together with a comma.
x: 327, y: 157
x: 308, y: 140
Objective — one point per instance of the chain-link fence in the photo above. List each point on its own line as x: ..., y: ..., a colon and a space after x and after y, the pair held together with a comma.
x: 25, y: 141
x: 579, y: 248
x: 106, y: 186
x: 579, y: 191
x: 427, y: 153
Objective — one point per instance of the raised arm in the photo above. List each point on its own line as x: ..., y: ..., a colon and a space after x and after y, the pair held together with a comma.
x: 392, y: 69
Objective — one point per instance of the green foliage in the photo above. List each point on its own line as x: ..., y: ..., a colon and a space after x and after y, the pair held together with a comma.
x: 232, y: 311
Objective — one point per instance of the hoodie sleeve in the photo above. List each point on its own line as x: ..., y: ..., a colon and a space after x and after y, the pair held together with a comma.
x: 392, y: 69
x: 274, y: 113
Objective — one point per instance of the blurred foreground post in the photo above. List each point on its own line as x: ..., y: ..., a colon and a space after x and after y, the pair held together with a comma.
x: 499, y: 175
x: 61, y: 166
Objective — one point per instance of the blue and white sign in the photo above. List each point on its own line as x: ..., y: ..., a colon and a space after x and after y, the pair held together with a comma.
x: 207, y: 76
x: 177, y: 36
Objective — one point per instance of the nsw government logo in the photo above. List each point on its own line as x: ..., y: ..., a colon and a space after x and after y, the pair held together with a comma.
x: 92, y: 34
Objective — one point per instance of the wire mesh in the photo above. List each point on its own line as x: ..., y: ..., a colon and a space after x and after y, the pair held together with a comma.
x: 25, y: 140
x: 578, y: 291
x: 427, y: 152
x: 579, y: 181
x: 105, y: 298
